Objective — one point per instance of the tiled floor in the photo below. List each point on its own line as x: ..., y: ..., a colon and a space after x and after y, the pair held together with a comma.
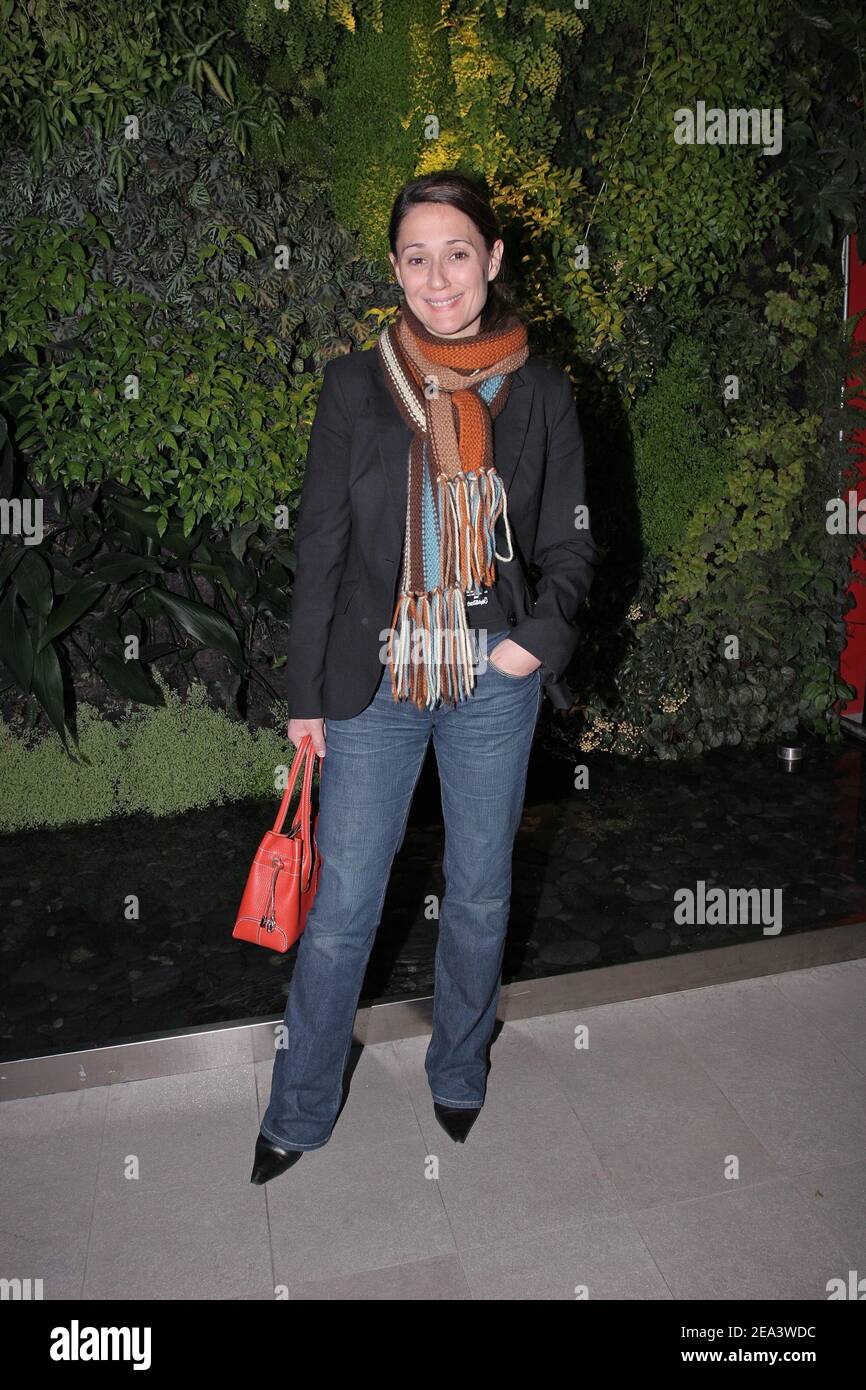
x: 708, y: 1144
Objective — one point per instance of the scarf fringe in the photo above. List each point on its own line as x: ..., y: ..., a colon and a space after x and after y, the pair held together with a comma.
x: 470, y: 504
x: 431, y: 650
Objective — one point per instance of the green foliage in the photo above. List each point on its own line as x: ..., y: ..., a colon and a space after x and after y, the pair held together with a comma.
x: 754, y: 516
x: 181, y: 356
x: 201, y: 421
x: 71, y: 63
x: 705, y: 262
x: 293, y: 50
x: 677, y: 466
x: 163, y: 760
x: 384, y: 83
x: 510, y: 64
x: 795, y: 313
x: 106, y: 594
x: 678, y: 690
x: 666, y: 219
x: 263, y: 255
x: 162, y: 375
x: 776, y: 328
x: 300, y: 29
x: 757, y: 564
x: 824, y: 153
x: 418, y: 85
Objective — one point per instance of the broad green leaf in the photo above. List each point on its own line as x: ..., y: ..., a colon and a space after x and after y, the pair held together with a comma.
x: 202, y: 623
x: 81, y: 597
x: 48, y: 688
x: 32, y: 579
x: 129, y: 679
x: 16, y: 645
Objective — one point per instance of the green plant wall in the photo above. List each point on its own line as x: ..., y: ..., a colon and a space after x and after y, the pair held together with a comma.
x: 692, y: 292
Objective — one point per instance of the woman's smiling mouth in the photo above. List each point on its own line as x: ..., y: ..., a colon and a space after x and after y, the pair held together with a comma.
x: 445, y: 303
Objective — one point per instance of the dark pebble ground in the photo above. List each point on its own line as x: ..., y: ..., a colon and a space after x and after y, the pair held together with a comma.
x: 594, y: 877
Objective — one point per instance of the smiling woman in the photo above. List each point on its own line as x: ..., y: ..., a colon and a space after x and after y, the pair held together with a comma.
x: 445, y: 276
x: 446, y: 252
x: 480, y: 459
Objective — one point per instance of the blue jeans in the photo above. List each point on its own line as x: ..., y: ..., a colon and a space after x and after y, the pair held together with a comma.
x: 368, y: 776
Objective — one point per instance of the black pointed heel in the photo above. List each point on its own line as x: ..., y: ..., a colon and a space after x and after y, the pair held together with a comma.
x: 456, y: 1123
x: 271, y: 1160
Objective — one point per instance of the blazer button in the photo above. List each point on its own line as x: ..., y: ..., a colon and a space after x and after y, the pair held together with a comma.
x: 512, y: 618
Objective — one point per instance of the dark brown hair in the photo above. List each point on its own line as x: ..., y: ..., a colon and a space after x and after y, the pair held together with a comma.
x: 467, y: 195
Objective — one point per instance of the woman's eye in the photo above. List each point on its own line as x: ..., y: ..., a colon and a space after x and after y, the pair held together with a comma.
x: 414, y: 259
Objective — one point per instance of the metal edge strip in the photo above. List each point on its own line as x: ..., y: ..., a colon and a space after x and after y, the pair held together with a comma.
x: 248, y: 1041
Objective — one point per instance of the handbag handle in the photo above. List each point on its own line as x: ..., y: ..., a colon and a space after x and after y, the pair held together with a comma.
x: 303, y: 814
x: 304, y: 819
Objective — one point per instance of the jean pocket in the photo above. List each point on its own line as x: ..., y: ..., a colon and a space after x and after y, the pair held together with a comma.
x: 508, y: 675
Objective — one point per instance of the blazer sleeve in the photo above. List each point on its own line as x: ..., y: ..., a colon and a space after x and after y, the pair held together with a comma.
x: 564, y: 551
x: 321, y: 547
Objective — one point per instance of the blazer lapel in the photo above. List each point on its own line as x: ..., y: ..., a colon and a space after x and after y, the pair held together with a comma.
x: 394, y: 438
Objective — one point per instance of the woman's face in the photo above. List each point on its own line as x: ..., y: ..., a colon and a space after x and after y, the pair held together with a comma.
x: 444, y: 268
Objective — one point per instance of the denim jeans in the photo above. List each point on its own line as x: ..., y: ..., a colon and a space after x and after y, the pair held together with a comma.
x: 368, y: 776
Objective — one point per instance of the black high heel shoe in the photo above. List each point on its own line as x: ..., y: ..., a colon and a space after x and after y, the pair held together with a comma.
x: 456, y: 1123
x: 271, y: 1160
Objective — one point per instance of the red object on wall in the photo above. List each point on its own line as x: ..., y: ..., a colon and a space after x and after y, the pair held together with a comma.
x: 852, y: 660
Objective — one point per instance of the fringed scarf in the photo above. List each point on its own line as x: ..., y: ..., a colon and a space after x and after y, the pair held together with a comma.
x: 448, y: 391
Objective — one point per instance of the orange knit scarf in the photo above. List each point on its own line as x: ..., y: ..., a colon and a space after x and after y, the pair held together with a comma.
x: 448, y: 391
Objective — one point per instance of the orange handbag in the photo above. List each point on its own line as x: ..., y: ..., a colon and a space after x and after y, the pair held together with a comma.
x: 284, y: 877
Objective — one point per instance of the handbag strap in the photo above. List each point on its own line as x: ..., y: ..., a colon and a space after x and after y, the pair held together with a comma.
x: 303, y: 755
x: 303, y: 815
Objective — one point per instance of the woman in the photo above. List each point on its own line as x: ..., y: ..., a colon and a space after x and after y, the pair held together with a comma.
x: 440, y: 464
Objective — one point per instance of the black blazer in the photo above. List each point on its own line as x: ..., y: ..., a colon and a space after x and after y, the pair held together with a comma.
x: 352, y: 519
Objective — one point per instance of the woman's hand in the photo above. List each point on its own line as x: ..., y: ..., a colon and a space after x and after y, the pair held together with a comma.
x: 518, y: 661
x: 315, y: 727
